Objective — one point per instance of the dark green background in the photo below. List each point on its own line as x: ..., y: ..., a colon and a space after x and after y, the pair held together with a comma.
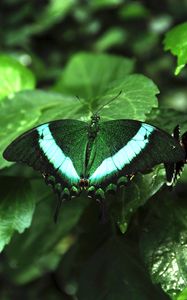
x: 91, y: 49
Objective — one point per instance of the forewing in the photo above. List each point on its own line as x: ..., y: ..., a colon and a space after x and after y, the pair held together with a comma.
x: 56, y: 148
x: 128, y: 147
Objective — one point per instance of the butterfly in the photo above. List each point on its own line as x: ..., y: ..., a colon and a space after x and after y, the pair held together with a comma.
x: 98, y: 156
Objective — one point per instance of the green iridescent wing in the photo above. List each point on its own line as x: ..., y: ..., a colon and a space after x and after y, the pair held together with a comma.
x: 65, y: 152
x: 125, y: 147
x: 57, y: 149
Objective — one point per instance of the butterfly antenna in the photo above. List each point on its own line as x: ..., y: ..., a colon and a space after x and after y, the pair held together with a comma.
x: 111, y: 100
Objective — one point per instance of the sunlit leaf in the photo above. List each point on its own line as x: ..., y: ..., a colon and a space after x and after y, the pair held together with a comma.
x: 16, y: 207
x: 88, y: 75
x: 164, y: 244
x: 175, y: 41
x: 14, y: 77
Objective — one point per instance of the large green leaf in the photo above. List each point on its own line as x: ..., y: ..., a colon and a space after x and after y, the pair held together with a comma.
x: 16, y: 207
x: 102, y: 78
x: 136, y: 194
x: 175, y: 41
x: 88, y: 75
x: 115, y: 272
x: 136, y: 98
x: 164, y: 244
x: 40, y: 248
x: 14, y: 77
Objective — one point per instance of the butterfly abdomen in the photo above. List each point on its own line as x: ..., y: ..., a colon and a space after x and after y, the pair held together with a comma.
x: 84, y: 184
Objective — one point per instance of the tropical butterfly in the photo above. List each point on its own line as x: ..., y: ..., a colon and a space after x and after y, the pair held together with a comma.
x: 97, y: 156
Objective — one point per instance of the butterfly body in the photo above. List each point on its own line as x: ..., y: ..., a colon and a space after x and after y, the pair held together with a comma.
x: 97, y: 156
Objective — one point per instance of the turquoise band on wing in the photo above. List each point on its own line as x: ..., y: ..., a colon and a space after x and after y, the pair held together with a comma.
x: 55, y: 155
x: 125, y: 155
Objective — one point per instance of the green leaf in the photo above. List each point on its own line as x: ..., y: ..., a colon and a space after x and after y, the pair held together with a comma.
x: 101, y: 4
x: 101, y: 78
x: 115, y: 272
x: 137, y: 98
x: 175, y: 41
x: 53, y: 13
x: 167, y: 119
x: 88, y: 75
x: 134, y: 10
x: 16, y: 207
x: 183, y: 295
x: 164, y: 243
x: 40, y: 248
x: 111, y: 38
x: 14, y: 77
x: 145, y: 43
x: 131, y: 197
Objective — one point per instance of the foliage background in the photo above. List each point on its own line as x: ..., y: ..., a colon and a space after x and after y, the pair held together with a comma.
x: 140, y: 253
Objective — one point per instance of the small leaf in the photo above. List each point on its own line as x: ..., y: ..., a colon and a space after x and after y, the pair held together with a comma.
x: 88, y: 75
x: 134, y: 10
x: 14, y: 77
x: 101, y: 4
x: 16, y: 207
x: 175, y: 41
x: 111, y: 38
x: 53, y: 13
x: 164, y: 243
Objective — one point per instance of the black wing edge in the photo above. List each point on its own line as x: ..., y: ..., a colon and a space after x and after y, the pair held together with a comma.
x: 174, y: 170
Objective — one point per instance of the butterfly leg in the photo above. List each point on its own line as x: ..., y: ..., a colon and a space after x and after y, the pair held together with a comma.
x: 62, y: 197
x: 57, y: 209
x: 100, y: 199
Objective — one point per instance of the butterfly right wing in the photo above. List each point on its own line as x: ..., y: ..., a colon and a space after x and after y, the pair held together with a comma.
x: 56, y: 149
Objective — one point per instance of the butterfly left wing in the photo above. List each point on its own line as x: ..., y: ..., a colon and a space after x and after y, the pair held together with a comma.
x: 128, y: 147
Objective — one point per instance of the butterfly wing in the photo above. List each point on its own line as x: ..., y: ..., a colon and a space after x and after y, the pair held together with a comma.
x: 128, y: 147
x: 56, y: 148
